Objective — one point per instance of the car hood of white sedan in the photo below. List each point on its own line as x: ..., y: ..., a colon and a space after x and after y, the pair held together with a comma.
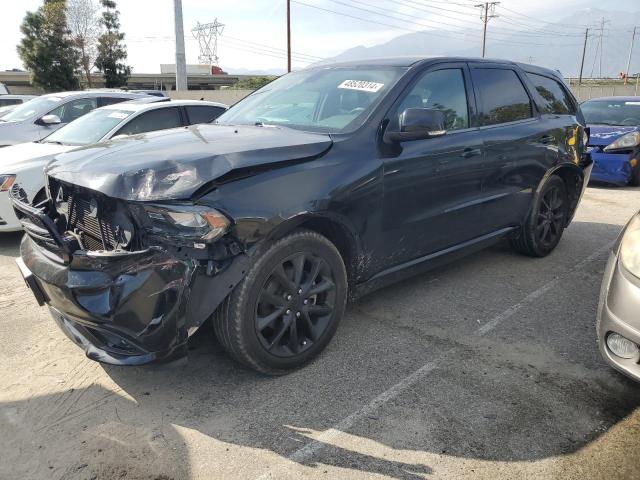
x: 26, y: 155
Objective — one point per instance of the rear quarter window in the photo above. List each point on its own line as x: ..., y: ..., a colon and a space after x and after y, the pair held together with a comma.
x: 203, y: 113
x: 554, y: 98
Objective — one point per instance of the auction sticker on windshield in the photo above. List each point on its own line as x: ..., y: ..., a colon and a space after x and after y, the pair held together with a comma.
x: 362, y: 85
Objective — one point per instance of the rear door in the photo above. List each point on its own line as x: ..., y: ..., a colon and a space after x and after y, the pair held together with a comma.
x: 516, y: 143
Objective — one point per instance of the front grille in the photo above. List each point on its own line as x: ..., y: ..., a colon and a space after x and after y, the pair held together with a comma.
x: 92, y: 221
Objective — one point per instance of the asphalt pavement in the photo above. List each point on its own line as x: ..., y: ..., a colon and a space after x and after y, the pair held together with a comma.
x: 485, y: 368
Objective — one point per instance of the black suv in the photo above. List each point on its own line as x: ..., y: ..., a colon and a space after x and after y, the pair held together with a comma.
x: 322, y: 186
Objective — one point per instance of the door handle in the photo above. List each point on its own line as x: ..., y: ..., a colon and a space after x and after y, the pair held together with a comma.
x: 470, y: 152
x: 546, y: 139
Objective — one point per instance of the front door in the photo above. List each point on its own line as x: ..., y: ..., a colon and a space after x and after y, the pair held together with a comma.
x: 432, y: 187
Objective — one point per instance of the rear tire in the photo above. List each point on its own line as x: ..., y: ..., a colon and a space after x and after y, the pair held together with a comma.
x: 287, y: 308
x: 543, y: 229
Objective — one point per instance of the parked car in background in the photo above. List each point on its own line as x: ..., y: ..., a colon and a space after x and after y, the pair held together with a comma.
x: 614, y: 141
x: 24, y: 163
x: 155, y: 93
x: 618, y: 324
x: 327, y: 183
x: 8, y: 100
x: 41, y: 116
x: 3, y: 89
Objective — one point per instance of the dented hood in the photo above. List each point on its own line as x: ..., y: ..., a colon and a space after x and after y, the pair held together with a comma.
x: 174, y: 164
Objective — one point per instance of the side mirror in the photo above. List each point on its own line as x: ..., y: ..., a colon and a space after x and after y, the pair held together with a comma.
x: 50, y: 120
x: 418, y: 124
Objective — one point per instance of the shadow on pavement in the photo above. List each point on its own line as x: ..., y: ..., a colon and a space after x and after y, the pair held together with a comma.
x: 533, y: 389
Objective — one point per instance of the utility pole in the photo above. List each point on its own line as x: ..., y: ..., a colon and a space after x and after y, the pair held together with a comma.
x: 584, y: 51
x: 181, y: 62
x: 488, y: 12
x: 288, y: 35
x: 602, y: 23
x: 633, y: 38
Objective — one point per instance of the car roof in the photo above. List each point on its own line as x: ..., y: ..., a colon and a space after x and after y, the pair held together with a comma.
x: 135, y: 106
x: 411, y: 61
x: 612, y: 99
x: 96, y: 93
x: 11, y: 96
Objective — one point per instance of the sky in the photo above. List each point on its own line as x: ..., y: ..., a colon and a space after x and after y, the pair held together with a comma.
x: 254, y: 37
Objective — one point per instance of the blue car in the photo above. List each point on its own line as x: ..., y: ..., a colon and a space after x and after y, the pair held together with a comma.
x: 614, y: 143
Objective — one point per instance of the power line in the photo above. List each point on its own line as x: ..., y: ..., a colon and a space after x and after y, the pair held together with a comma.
x: 542, y: 21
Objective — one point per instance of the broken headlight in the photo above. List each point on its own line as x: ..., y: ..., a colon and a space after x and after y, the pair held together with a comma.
x: 198, y: 223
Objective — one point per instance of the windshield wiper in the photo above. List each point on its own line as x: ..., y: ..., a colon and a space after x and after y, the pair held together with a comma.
x: 53, y: 141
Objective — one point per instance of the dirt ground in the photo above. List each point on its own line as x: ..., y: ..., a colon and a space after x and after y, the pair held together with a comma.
x: 487, y: 368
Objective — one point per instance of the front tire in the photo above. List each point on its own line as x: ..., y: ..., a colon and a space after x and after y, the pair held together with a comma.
x: 288, y: 307
x: 543, y: 230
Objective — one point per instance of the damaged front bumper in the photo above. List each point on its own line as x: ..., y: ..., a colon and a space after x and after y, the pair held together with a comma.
x: 614, y: 168
x: 121, y: 307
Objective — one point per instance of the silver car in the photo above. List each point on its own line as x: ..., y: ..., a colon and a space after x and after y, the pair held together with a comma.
x: 38, y: 118
x: 619, y: 308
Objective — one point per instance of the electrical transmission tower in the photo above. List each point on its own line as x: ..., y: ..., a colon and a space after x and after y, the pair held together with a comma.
x: 488, y: 12
x: 207, y: 36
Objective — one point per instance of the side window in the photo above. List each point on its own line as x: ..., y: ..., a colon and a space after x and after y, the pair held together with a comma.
x: 104, y: 101
x: 503, y: 98
x: 9, y: 101
x: 555, y: 97
x: 160, y: 119
x: 442, y: 90
x: 203, y: 113
x: 74, y: 109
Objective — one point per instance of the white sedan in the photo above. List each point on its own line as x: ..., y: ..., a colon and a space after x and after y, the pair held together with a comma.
x: 23, y: 164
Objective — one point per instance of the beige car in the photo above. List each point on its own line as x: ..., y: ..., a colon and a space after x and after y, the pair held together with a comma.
x: 619, y: 308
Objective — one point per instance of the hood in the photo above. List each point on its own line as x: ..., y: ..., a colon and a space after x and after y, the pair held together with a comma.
x: 174, y: 164
x: 17, y: 157
x: 603, y: 135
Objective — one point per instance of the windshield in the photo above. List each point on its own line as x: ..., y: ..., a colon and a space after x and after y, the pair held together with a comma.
x: 615, y: 112
x: 39, y: 106
x: 89, y: 128
x: 332, y: 100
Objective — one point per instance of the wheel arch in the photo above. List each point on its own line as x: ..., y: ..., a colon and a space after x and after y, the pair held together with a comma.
x: 573, y: 178
x: 335, y: 228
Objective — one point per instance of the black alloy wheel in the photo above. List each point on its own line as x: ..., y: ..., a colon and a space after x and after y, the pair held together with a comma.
x: 288, y: 306
x: 545, y: 225
x: 295, y: 305
x: 551, y: 217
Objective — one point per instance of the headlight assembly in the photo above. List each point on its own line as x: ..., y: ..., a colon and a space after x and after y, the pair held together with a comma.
x: 630, y: 247
x: 625, y: 142
x: 193, y: 222
x: 6, y: 182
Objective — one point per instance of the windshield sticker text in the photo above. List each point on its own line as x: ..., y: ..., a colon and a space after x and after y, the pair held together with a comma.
x: 361, y: 85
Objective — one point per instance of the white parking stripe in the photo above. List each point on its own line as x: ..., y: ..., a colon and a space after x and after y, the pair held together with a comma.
x: 304, y: 453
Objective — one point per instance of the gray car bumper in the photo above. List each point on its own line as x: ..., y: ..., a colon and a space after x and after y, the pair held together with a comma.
x: 619, y: 312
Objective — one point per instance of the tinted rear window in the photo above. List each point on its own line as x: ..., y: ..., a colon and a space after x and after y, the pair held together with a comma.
x: 503, y: 98
x: 555, y: 98
x: 203, y: 113
x: 160, y: 119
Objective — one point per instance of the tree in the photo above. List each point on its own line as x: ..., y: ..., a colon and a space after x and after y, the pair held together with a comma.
x: 85, y: 26
x: 46, y: 49
x: 111, y: 49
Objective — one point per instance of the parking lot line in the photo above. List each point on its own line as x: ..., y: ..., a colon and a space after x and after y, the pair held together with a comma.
x: 304, y: 453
